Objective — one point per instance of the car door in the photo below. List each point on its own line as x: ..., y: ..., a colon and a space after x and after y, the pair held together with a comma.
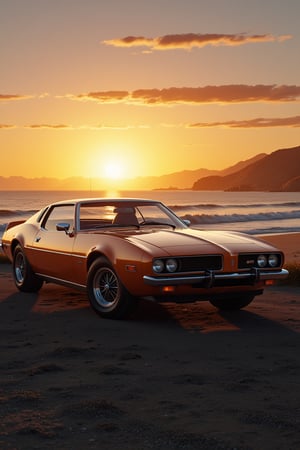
x: 51, y: 250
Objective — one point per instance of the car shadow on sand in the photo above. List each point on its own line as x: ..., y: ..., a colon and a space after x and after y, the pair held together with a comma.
x: 202, y: 317
x: 199, y: 317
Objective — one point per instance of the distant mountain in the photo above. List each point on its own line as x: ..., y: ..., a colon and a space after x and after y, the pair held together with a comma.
x: 186, y: 178
x: 279, y: 171
x: 178, y: 180
x: 292, y: 185
x: 43, y: 183
x: 241, y: 165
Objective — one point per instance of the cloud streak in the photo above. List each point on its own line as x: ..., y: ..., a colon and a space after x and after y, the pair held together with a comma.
x: 293, y: 122
x: 51, y: 126
x: 260, y: 122
x: 190, y: 40
x: 13, y: 97
x: 197, y: 95
x: 232, y: 93
x: 104, y: 96
x: 39, y: 126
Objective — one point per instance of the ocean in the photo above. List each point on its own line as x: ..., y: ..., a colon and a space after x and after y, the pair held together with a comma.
x: 248, y: 212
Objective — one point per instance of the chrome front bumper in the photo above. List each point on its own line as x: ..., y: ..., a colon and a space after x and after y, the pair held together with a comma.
x: 209, y: 278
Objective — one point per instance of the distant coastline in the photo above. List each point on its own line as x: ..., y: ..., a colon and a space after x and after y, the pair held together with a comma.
x: 276, y: 172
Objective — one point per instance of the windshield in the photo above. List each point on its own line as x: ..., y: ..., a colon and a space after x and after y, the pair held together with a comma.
x: 137, y: 214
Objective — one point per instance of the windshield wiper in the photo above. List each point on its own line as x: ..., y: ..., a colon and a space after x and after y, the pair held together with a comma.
x: 115, y: 225
x: 152, y: 222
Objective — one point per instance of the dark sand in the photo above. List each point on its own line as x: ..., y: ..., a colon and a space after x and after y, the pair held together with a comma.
x: 171, y: 377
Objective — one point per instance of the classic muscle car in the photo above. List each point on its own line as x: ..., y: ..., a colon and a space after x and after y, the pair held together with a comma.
x: 120, y: 250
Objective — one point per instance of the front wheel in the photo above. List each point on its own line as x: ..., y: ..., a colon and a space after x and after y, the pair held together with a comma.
x: 232, y: 303
x: 24, y: 277
x: 107, y: 295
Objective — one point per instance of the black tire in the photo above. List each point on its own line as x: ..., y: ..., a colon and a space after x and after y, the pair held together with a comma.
x: 107, y: 295
x: 232, y: 303
x: 24, y: 277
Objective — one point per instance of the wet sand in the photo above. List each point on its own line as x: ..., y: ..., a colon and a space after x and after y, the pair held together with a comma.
x: 169, y: 377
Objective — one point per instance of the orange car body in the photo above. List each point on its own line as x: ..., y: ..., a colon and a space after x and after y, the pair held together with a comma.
x: 158, y: 256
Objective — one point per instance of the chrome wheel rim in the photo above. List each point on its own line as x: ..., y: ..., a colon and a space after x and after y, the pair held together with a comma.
x: 106, y: 288
x: 20, y: 267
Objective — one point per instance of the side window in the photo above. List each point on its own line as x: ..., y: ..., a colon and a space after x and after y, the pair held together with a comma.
x: 93, y: 215
x: 59, y: 214
x: 152, y: 212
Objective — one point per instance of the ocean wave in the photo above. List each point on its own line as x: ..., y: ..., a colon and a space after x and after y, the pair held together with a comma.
x: 7, y: 212
x: 273, y: 230
x: 205, y: 206
x: 179, y: 208
x: 17, y: 212
x: 202, y: 219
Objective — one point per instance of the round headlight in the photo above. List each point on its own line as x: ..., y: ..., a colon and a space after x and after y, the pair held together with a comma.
x: 273, y: 260
x: 261, y: 261
x: 158, y: 265
x: 171, y: 265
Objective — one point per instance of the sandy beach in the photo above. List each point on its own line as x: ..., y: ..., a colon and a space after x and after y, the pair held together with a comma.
x: 169, y: 377
x: 289, y: 243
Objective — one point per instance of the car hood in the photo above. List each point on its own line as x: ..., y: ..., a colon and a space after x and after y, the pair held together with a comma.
x: 193, y: 242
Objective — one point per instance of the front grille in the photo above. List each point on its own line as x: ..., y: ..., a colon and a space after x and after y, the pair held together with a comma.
x: 249, y: 260
x: 199, y: 263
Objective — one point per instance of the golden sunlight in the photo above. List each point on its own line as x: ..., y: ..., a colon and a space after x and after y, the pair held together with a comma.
x: 113, y: 170
x: 113, y: 163
x: 109, y: 166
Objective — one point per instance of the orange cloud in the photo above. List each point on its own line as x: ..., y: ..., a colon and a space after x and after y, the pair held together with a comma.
x: 131, y: 41
x: 106, y: 96
x: 220, y: 94
x: 236, y: 93
x: 45, y: 125
x: 190, y: 40
x: 293, y: 122
x: 80, y: 127
x: 9, y: 97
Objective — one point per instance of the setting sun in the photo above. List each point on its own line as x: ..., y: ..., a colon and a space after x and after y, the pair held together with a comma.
x: 113, y: 170
x: 107, y: 162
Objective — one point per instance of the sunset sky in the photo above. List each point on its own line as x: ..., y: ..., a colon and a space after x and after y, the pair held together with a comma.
x: 132, y: 88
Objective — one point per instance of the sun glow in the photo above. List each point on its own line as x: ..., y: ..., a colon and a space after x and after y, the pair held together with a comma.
x: 108, y: 166
x: 113, y: 170
x: 111, y: 165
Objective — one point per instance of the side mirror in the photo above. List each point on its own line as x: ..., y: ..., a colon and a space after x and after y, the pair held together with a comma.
x: 63, y: 226
x: 186, y: 222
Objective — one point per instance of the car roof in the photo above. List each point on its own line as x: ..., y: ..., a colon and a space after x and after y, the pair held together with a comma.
x: 105, y: 200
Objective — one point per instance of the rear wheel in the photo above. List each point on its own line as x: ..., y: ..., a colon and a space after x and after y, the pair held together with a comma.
x: 24, y: 277
x: 232, y: 303
x: 107, y: 295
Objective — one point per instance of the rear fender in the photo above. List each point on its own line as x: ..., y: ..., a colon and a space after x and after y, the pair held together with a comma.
x: 13, y: 224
